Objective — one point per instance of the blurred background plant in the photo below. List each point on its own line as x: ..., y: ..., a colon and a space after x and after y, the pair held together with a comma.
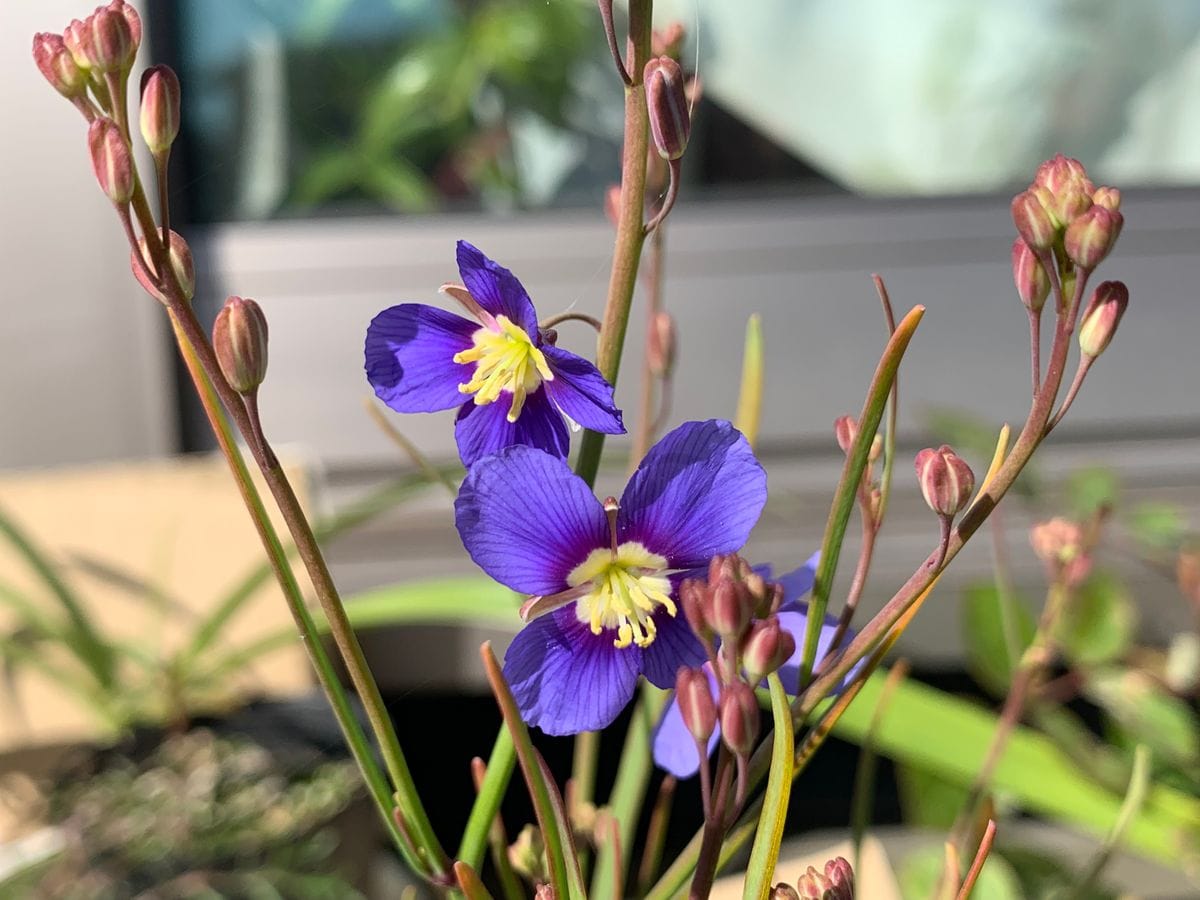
x: 201, y: 816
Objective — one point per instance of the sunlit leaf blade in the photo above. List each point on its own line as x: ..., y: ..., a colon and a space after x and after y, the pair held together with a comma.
x: 765, y: 852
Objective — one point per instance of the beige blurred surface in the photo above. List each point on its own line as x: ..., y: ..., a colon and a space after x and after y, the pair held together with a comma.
x: 176, y: 525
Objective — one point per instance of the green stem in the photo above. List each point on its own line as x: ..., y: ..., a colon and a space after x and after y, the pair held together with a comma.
x: 487, y: 803
x: 356, y: 740
x: 436, y: 862
x: 630, y: 225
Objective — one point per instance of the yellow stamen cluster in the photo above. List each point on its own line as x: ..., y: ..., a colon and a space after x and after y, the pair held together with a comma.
x: 506, y: 360
x: 626, y: 588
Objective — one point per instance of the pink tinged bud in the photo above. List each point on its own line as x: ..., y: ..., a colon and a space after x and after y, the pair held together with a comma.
x: 1029, y: 275
x: 693, y: 693
x: 841, y: 878
x: 55, y: 62
x: 1063, y: 173
x: 1033, y: 221
x: 739, y: 718
x: 132, y: 18
x: 160, y: 108
x: 1102, y: 318
x: 730, y: 612
x: 111, y: 160
x: 784, y: 891
x: 1091, y: 236
x: 181, y: 262
x: 112, y: 48
x: 946, y: 480
x: 660, y: 345
x: 1108, y: 197
x: 669, y: 41
x: 240, y: 342
x: 694, y: 600
x: 766, y: 648
x: 1187, y: 573
x: 612, y: 203
x: 77, y: 37
x: 670, y: 121
x: 812, y: 885
x: 845, y: 429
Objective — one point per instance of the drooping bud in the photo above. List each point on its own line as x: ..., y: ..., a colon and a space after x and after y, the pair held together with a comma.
x: 1059, y: 543
x: 159, y: 117
x: 1029, y: 275
x: 1091, y: 236
x: 56, y: 63
x: 1033, y: 220
x: 841, y: 878
x: 1103, y: 315
x: 1107, y: 197
x: 111, y: 160
x: 181, y: 262
x: 112, y: 48
x: 77, y: 37
x: 240, y: 341
x: 660, y: 345
x: 739, y: 718
x: 845, y: 429
x: 693, y: 693
x: 670, y: 121
x: 767, y: 647
x: 946, y: 480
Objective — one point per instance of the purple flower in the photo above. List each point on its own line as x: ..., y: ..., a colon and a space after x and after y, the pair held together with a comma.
x: 606, y: 580
x: 674, y: 746
x: 423, y: 359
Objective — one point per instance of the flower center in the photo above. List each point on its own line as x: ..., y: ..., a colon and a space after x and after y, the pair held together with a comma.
x: 506, y: 360
x: 626, y: 589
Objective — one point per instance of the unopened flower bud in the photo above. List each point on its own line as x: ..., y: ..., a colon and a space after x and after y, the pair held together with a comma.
x: 845, y: 429
x: 111, y: 160
x: 693, y: 598
x: 112, y: 48
x: 812, y: 885
x: 784, y: 891
x: 1103, y: 315
x: 527, y: 854
x: 1091, y: 236
x: 56, y: 63
x: 767, y: 647
x: 1029, y: 275
x: 1107, y: 197
x: 159, y: 117
x: 841, y: 878
x: 739, y: 718
x: 1061, y: 173
x: 77, y: 37
x: 1033, y: 220
x: 660, y: 345
x: 132, y: 17
x: 240, y: 342
x: 730, y: 613
x: 1059, y: 543
x: 545, y: 891
x: 181, y: 262
x: 670, y: 121
x: 669, y: 41
x: 693, y: 693
x: 946, y: 480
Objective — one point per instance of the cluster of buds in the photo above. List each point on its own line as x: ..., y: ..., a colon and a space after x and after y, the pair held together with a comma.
x: 732, y: 611
x: 103, y: 44
x: 1063, y: 546
x: 835, y: 883
x: 1062, y: 209
x: 845, y: 430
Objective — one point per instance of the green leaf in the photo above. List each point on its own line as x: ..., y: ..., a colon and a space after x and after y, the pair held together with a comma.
x: 1159, y: 526
x: 400, y: 184
x: 1148, y: 713
x: 1098, y: 623
x: 765, y: 852
x: 1090, y: 490
x: 988, y: 653
x: 470, y: 600
x: 750, y: 395
x: 922, y: 870
x: 950, y: 736
x: 927, y: 799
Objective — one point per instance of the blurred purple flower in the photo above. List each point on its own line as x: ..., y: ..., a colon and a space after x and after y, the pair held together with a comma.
x: 606, y: 583
x: 674, y: 746
x: 421, y: 358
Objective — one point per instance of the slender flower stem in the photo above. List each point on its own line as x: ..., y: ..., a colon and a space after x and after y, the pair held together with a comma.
x: 675, y: 168
x: 1085, y: 363
x: 1035, y: 348
x: 870, y: 531
x: 327, y: 676
x: 497, y: 839
x: 558, y: 319
x: 656, y: 834
x: 630, y: 232
x: 985, y: 847
x: 436, y: 863
x: 714, y: 831
x: 585, y: 756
